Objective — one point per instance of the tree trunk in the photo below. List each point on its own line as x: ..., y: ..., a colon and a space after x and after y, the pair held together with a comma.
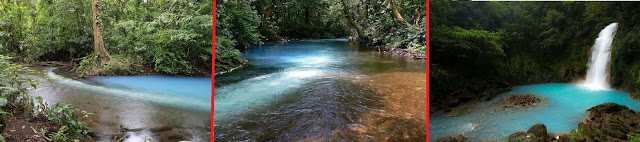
x: 398, y: 16
x: 98, y: 44
x: 266, y: 15
x: 350, y: 20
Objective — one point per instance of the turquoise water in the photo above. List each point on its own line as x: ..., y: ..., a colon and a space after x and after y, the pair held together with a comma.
x: 197, y: 87
x: 565, y: 107
x: 302, y: 90
x: 195, y: 92
x: 142, y: 102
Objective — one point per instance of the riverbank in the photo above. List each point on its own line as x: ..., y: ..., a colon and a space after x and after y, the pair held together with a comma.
x: 109, y: 70
x: 227, y: 67
x: 16, y: 127
x: 401, y: 52
x: 118, y: 113
x: 28, y: 118
x: 606, y: 122
x: 134, y: 107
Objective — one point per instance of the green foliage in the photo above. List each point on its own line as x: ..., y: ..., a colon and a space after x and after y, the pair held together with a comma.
x: 633, y: 138
x: 420, y: 48
x: 243, y: 21
x: 383, y: 29
x: 521, y: 138
x: 60, y: 136
x: 240, y: 24
x: 227, y: 57
x: 67, y: 116
x: 12, y: 79
x: 459, y: 48
x: 574, y: 134
x: 540, y: 41
x: 236, y: 26
x: 172, y: 37
x: 147, y: 139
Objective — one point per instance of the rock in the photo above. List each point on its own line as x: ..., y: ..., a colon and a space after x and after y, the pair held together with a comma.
x: 579, y: 139
x: 564, y: 138
x: 562, y: 71
x: 161, y: 128
x: 454, y: 100
x: 515, y: 136
x: 608, y: 108
x: 540, y: 131
x: 609, y: 122
x: 444, y: 139
x: 606, y: 122
x: 174, y: 134
x: 467, y: 95
x: 357, y: 127
x: 518, y: 101
x: 455, y: 112
x: 533, y: 139
x: 458, y: 138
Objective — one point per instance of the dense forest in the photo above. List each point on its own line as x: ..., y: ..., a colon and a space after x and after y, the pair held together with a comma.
x: 385, y: 24
x: 110, y: 37
x: 489, y: 46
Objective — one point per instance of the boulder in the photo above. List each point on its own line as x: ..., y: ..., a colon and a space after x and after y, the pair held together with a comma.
x: 518, y: 101
x: 563, y: 138
x: 609, y: 122
x: 457, y: 138
x: 608, y: 108
x: 515, y: 136
x: 455, y: 112
x: 540, y: 131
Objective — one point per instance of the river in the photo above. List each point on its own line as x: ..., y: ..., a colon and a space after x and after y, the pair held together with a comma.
x: 163, y: 108
x: 321, y: 90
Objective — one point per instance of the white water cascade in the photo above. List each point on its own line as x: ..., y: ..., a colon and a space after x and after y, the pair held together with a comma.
x: 599, y: 62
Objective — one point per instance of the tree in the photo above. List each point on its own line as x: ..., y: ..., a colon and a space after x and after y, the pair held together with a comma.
x: 98, y: 43
x: 352, y: 23
x: 398, y: 15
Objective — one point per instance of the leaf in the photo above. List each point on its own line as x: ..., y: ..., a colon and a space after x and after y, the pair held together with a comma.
x: 8, y: 88
x: 3, y: 100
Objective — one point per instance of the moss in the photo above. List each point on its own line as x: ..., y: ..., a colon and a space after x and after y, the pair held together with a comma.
x: 521, y: 138
x: 117, y: 65
x: 574, y: 134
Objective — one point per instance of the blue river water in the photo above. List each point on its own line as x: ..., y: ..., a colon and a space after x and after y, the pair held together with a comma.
x: 144, y: 103
x: 563, y: 107
x: 301, y: 91
x: 196, y: 89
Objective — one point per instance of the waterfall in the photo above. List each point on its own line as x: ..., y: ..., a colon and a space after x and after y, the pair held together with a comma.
x: 599, y: 63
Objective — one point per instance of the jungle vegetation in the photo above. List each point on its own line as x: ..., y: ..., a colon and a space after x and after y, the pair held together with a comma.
x: 110, y: 37
x: 241, y: 24
x: 473, y: 43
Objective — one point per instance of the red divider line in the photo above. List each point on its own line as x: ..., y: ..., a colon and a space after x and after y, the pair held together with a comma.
x: 427, y: 54
x: 213, y: 66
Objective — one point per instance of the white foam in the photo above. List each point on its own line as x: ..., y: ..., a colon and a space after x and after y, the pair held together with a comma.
x: 596, y: 78
x: 166, y: 99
